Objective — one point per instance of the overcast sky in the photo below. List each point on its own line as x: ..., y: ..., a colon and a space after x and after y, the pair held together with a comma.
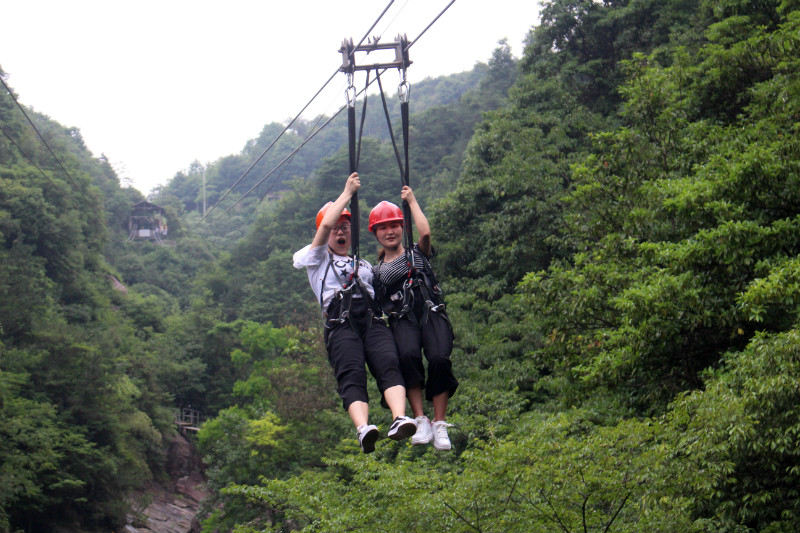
x: 155, y: 85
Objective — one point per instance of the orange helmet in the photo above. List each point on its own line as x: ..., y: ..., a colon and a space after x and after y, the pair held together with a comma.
x: 325, y: 207
x: 384, y: 212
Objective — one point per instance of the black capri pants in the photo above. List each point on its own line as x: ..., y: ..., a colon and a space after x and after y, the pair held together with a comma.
x: 348, y: 350
x: 436, y: 339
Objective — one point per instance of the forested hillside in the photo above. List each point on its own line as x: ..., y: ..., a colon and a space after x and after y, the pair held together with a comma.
x: 102, y: 338
x: 82, y: 406
x: 620, y: 254
x: 617, y: 220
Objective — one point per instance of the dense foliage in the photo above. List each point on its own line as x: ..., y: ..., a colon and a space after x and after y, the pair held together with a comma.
x: 81, y: 414
x: 616, y: 216
x: 621, y: 251
x: 101, y: 338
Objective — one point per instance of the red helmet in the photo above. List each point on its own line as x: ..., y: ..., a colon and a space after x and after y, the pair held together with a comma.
x: 384, y: 212
x: 325, y: 207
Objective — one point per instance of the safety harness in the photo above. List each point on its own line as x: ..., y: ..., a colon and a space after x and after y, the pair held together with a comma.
x: 354, y: 285
x: 421, y: 283
x: 350, y: 287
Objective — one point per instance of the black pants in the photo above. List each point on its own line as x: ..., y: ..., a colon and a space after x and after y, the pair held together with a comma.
x: 349, y: 350
x: 436, y: 339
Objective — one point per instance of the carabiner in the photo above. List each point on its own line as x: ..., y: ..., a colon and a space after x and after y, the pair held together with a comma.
x: 350, y: 92
x: 404, y: 89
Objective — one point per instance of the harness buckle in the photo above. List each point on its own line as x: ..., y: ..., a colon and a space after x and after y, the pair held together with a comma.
x: 433, y: 307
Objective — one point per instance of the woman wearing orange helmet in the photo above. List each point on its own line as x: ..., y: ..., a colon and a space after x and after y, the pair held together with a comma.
x: 354, y: 335
x: 408, y: 292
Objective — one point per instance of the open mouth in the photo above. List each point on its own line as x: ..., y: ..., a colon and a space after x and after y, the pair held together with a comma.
x: 341, y: 240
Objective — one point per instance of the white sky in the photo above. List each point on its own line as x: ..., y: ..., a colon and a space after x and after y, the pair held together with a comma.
x: 157, y: 84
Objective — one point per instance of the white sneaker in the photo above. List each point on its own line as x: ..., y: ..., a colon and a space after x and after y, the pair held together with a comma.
x: 402, y: 428
x: 367, y: 436
x: 424, y: 432
x: 441, y: 441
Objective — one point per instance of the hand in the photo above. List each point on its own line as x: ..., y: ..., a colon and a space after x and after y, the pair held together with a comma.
x: 407, y: 194
x: 353, y: 184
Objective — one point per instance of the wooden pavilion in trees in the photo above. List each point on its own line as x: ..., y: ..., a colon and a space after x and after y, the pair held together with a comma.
x: 147, y: 221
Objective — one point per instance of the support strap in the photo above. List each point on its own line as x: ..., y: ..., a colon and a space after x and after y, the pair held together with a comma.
x: 354, y: 157
x: 404, y: 93
x: 350, y: 66
x: 355, y: 283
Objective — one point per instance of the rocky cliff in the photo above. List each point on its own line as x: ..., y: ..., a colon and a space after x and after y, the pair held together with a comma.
x: 172, y: 507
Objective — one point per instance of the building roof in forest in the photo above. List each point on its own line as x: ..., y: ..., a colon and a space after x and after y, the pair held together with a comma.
x: 145, y: 206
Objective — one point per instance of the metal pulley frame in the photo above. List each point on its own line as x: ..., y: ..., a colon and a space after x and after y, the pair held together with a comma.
x: 400, y: 47
x: 349, y: 66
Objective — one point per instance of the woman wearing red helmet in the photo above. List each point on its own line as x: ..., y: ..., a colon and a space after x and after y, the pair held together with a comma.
x: 353, y: 334
x: 408, y: 292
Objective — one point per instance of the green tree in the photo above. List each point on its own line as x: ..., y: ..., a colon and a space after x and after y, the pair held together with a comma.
x: 738, y: 439
x: 281, y: 423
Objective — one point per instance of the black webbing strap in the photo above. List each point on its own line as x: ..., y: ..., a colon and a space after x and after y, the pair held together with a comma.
x: 403, y: 173
x: 355, y: 283
x: 355, y: 155
x: 354, y: 217
x: 408, y: 231
x: 409, y: 235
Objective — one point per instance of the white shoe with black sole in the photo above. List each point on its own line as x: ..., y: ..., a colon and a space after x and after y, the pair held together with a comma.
x: 367, y: 437
x: 402, y: 428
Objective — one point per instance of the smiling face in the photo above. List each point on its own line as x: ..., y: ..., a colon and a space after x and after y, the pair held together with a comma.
x: 339, y: 239
x: 389, y: 234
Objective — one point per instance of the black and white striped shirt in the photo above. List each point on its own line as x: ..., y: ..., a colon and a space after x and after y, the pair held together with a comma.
x: 390, y: 276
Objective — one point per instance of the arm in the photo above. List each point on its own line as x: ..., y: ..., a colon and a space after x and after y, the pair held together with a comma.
x: 420, y: 220
x: 335, y: 211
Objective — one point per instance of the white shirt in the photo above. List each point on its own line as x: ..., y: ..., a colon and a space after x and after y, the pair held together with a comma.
x: 316, y: 260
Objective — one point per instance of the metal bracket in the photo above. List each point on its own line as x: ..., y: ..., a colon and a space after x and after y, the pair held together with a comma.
x: 400, y: 47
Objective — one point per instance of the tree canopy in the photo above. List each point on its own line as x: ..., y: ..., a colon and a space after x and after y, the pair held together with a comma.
x: 616, y: 219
